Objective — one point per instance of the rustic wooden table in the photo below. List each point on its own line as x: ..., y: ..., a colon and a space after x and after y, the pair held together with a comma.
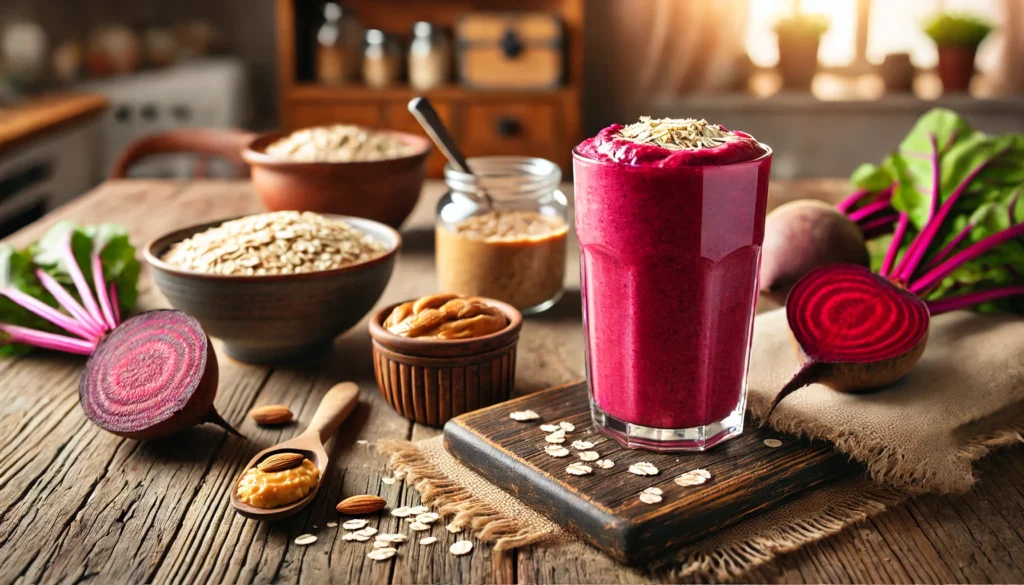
x: 78, y: 504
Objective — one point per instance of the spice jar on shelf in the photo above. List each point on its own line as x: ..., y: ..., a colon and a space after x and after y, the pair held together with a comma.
x: 382, y: 59
x: 510, y: 247
x: 337, y: 50
x: 430, y: 57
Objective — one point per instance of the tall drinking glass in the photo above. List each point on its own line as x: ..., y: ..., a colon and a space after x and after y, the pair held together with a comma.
x: 670, y: 251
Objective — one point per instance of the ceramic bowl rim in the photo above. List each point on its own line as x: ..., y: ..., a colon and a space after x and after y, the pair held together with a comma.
x: 416, y: 346
x: 165, y: 241
x: 254, y: 152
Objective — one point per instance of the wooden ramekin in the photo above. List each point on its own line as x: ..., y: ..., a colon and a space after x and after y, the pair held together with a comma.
x: 431, y: 380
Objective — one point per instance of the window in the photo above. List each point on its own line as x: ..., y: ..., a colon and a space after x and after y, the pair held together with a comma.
x: 893, y: 26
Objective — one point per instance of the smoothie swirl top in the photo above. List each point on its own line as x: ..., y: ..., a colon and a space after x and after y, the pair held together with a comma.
x: 670, y: 142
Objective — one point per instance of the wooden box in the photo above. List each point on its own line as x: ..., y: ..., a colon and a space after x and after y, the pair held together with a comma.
x: 510, y: 50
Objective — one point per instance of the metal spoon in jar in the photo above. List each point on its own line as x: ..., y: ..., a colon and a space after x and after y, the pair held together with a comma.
x: 425, y: 114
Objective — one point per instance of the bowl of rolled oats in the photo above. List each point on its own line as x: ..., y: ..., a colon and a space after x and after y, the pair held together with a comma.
x: 276, y: 287
x: 342, y: 169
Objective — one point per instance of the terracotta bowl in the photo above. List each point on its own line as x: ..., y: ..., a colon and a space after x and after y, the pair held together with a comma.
x: 384, y: 190
x: 276, y: 319
x: 432, y: 380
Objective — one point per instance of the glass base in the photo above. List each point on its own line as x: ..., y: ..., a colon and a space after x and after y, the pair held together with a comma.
x: 633, y: 436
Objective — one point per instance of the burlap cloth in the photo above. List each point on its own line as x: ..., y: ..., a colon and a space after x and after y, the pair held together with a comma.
x: 922, y: 434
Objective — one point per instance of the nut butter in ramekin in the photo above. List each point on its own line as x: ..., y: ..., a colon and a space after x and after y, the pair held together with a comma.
x: 430, y: 379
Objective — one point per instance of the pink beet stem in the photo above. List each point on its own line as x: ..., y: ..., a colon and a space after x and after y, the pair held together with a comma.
x: 81, y: 284
x: 969, y: 300
x: 948, y: 248
x: 924, y: 239
x: 936, y: 185
x: 894, y: 246
x: 101, y: 291
x: 69, y: 303
x: 47, y: 312
x: 115, y: 303
x: 868, y: 210
x: 847, y: 204
x: 943, y: 270
x: 45, y: 340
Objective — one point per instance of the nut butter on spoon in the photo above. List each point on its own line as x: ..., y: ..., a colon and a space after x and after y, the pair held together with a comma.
x: 336, y: 405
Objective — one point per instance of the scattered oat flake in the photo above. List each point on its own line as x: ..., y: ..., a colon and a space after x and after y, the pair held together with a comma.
x: 399, y: 474
x: 702, y: 472
x: 578, y: 469
x: 381, y: 544
x: 773, y: 443
x: 556, y: 438
x: 332, y: 524
x: 567, y: 426
x: 454, y: 528
x: 523, y: 415
x: 305, y: 539
x: 368, y: 531
x: 550, y: 428
x: 353, y: 524
x: 419, y: 526
x: 643, y: 468
x: 419, y: 510
x: 427, y: 517
x: 653, y: 490
x: 556, y: 450
x: 461, y: 547
x: 582, y: 445
x: 605, y: 463
x: 590, y: 456
x: 362, y: 442
x: 402, y: 512
x: 690, y: 479
x: 391, y: 538
x: 428, y: 540
x: 650, y: 498
x: 355, y: 536
x: 381, y: 554
x: 387, y: 480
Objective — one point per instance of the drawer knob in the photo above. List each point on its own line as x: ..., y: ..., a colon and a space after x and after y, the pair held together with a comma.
x: 508, y: 126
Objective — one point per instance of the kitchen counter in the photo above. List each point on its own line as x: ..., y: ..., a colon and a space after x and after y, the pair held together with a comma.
x: 40, y: 115
x: 80, y: 504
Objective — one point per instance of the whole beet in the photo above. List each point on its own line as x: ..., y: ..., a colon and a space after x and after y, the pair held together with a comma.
x: 802, y: 235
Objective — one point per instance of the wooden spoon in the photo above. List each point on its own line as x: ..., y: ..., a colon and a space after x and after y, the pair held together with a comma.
x: 337, y: 404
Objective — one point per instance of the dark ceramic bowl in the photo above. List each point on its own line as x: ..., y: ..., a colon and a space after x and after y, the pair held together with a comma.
x: 432, y: 380
x: 276, y: 319
x: 381, y: 190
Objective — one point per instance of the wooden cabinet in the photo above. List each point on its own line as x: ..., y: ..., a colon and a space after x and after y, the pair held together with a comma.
x: 542, y: 123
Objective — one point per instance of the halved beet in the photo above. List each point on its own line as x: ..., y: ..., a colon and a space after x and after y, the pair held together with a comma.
x: 854, y: 330
x: 152, y: 376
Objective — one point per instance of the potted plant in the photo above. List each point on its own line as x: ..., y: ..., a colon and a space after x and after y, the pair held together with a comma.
x: 799, y: 35
x: 957, y: 37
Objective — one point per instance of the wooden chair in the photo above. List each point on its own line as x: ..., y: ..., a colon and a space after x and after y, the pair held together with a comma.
x: 206, y: 143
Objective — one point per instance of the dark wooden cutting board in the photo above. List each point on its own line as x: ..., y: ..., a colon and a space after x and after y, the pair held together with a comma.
x: 747, y: 477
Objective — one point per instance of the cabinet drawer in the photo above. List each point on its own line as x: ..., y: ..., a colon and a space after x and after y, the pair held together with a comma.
x: 303, y: 114
x: 399, y: 118
x: 523, y: 128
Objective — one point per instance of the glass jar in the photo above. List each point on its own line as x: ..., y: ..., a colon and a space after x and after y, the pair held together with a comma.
x: 382, y: 59
x: 337, y: 40
x: 501, y: 232
x: 430, y: 57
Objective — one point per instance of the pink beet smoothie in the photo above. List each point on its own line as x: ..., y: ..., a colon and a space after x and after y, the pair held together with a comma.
x: 670, y: 245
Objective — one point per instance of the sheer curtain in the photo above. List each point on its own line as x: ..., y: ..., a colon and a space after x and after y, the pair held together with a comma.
x: 638, y: 50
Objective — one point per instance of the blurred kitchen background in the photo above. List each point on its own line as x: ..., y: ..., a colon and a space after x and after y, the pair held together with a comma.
x: 827, y: 83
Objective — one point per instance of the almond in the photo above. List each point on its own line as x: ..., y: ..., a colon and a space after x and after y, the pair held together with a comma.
x: 280, y: 462
x: 271, y: 414
x: 359, y: 505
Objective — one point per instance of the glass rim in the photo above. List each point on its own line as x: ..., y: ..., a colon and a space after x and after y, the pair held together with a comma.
x: 768, y: 152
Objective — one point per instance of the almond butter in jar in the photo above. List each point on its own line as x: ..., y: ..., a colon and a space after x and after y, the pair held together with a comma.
x: 512, y: 248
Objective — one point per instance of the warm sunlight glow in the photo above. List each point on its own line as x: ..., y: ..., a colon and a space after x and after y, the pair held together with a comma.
x: 837, y: 46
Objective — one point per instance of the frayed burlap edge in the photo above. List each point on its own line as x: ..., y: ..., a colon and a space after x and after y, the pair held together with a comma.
x: 725, y: 556
x: 887, y: 465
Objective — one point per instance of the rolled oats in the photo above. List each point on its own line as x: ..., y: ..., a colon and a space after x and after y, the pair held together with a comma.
x: 339, y: 143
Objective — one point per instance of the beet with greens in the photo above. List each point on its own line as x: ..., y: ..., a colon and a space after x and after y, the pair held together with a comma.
x: 956, y: 243
x: 146, y: 377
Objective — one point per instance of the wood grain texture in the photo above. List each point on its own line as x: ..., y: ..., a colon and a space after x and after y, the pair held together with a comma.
x: 80, y: 505
x: 747, y: 477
